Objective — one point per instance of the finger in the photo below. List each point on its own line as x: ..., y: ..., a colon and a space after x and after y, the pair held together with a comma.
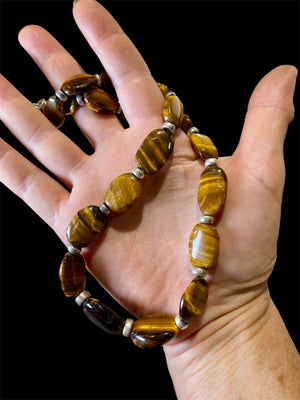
x: 35, y: 187
x: 58, y: 65
x: 54, y: 150
x: 138, y: 93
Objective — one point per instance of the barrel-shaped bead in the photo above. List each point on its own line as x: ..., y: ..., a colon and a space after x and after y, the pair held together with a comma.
x: 153, y: 330
x: 193, y: 300
x: 86, y: 226
x: 204, y: 246
x: 203, y: 146
x: 100, y: 101
x: 79, y: 83
x: 123, y: 192
x: 212, y: 190
x: 187, y: 123
x: 173, y: 110
x: 72, y: 274
x: 154, y: 152
x: 103, y: 316
x: 53, y: 111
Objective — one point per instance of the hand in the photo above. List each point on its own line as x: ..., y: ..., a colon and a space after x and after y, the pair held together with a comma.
x: 155, y: 231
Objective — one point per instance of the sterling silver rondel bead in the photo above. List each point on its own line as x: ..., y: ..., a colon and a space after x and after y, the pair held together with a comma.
x: 82, y: 297
x: 128, y: 327
x: 210, y: 162
x: 169, y: 127
x: 180, y: 323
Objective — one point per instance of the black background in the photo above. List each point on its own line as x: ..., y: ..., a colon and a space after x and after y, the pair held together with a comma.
x: 212, y: 54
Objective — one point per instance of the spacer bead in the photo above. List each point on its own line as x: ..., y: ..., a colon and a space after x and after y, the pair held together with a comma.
x: 169, y: 127
x: 138, y: 173
x: 61, y: 95
x: 99, y: 79
x: 192, y: 130
x: 207, y: 219
x: 168, y: 94
x: 40, y: 104
x: 73, y: 250
x: 210, y: 162
x: 128, y: 327
x: 200, y: 271
x: 80, y: 100
x: 104, y: 208
x: 180, y: 323
x: 82, y: 297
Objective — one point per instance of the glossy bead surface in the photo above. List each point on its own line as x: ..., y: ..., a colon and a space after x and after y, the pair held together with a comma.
x: 52, y: 110
x: 122, y: 192
x: 204, y: 246
x: 186, y: 124
x: 193, y: 300
x: 163, y: 88
x: 86, y: 226
x: 203, y: 146
x: 153, y: 330
x: 154, y: 151
x: 72, y: 274
x: 212, y: 190
x: 100, y: 101
x: 79, y: 83
x: 173, y: 110
x: 103, y: 316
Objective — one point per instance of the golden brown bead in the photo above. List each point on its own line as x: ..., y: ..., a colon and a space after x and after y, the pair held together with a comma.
x: 154, y: 151
x: 187, y: 123
x: 163, y: 88
x: 100, y: 101
x: 173, y: 110
x: 203, y: 146
x: 193, y: 300
x: 52, y: 110
x: 204, y: 246
x: 212, y: 190
x: 72, y: 274
x: 79, y: 83
x: 86, y: 226
x: 153, y: 330
x: 122, y: 192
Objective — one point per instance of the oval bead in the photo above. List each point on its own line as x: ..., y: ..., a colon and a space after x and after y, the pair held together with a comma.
x: 193, y: 300
x: 154, y: 151
x: 86, y: 226
x: 103, y: 316
x: 163, y: 88
x: 173, y: 110
x: 203, y: 146
x: 204, y: 246
x: 52, y: 110
x: 153, y: 330
x: 79, y: 83
x: 100, y: 101
x: 187, y: 123
x: 72, y: 274
x: 212, y: 190
x: 122, y: 192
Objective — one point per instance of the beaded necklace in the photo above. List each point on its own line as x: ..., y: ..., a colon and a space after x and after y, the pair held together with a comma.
x: 154, y: 330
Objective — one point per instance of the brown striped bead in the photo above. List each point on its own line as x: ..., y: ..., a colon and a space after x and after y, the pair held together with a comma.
x: 153, y: 330
x: 154, y: 151
x: 72, y: 274
x: 100, y: 101
x: 78, y: 84
x: 186, y: 124
x: 86, y: 226
x: 122, y: 192
x: 193, y: 300
x: 212, y: 190
x: 204, y: 246
x: 173, y: 110
x: 203, y: 146
x: 163, y: 88
x: 52, y: 110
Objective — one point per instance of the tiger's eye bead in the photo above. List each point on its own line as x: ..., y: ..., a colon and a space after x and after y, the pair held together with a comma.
x: 204, y: 246
x: 203, y: 146
x: 103, y: 316
x: 193, y: 300
x: 122, y: 192
x: 154, y: 151
x: 100, y: 101
x: 153, y: 330
x: 72, y: 274
x: 86, y: 226
x: 173, y: 110
x: 52, y: 110
x: 186, y: 124
x: 163, y: 88
x: 212, y: 190
x: 79, y: 83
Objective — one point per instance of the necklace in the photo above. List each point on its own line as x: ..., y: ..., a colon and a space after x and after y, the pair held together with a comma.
x: 154, y: 330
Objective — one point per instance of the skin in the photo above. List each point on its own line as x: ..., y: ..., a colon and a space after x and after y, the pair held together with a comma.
x: 231, y: 351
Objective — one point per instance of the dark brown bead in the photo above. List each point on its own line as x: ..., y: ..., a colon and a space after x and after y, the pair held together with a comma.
x: 79, y: 84
x: 100, y: 101
x: 72, y: 274
x: 52, y: 110
x: 193, y: 300
x: 186, y: 124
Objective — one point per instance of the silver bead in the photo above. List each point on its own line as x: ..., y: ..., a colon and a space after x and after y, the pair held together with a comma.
x: 207, y: 219
x: 138, y: 173
x: 82, y: 297
x: 193, y: 129
x: 80, y: 100
x: 73, y: 250
x: 200, y: 271
x: 103, y: 208
x: 168, y: 94
x: 169, y: 127
x: 40, y: 104
x: 128, y: 327
x: 61, y: 95
x: 119, y: 110
x: 99, y: 79
x: 210, y: 162
x: 180, y: 323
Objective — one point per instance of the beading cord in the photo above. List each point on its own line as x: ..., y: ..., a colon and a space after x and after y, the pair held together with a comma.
x: 154, y: 330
